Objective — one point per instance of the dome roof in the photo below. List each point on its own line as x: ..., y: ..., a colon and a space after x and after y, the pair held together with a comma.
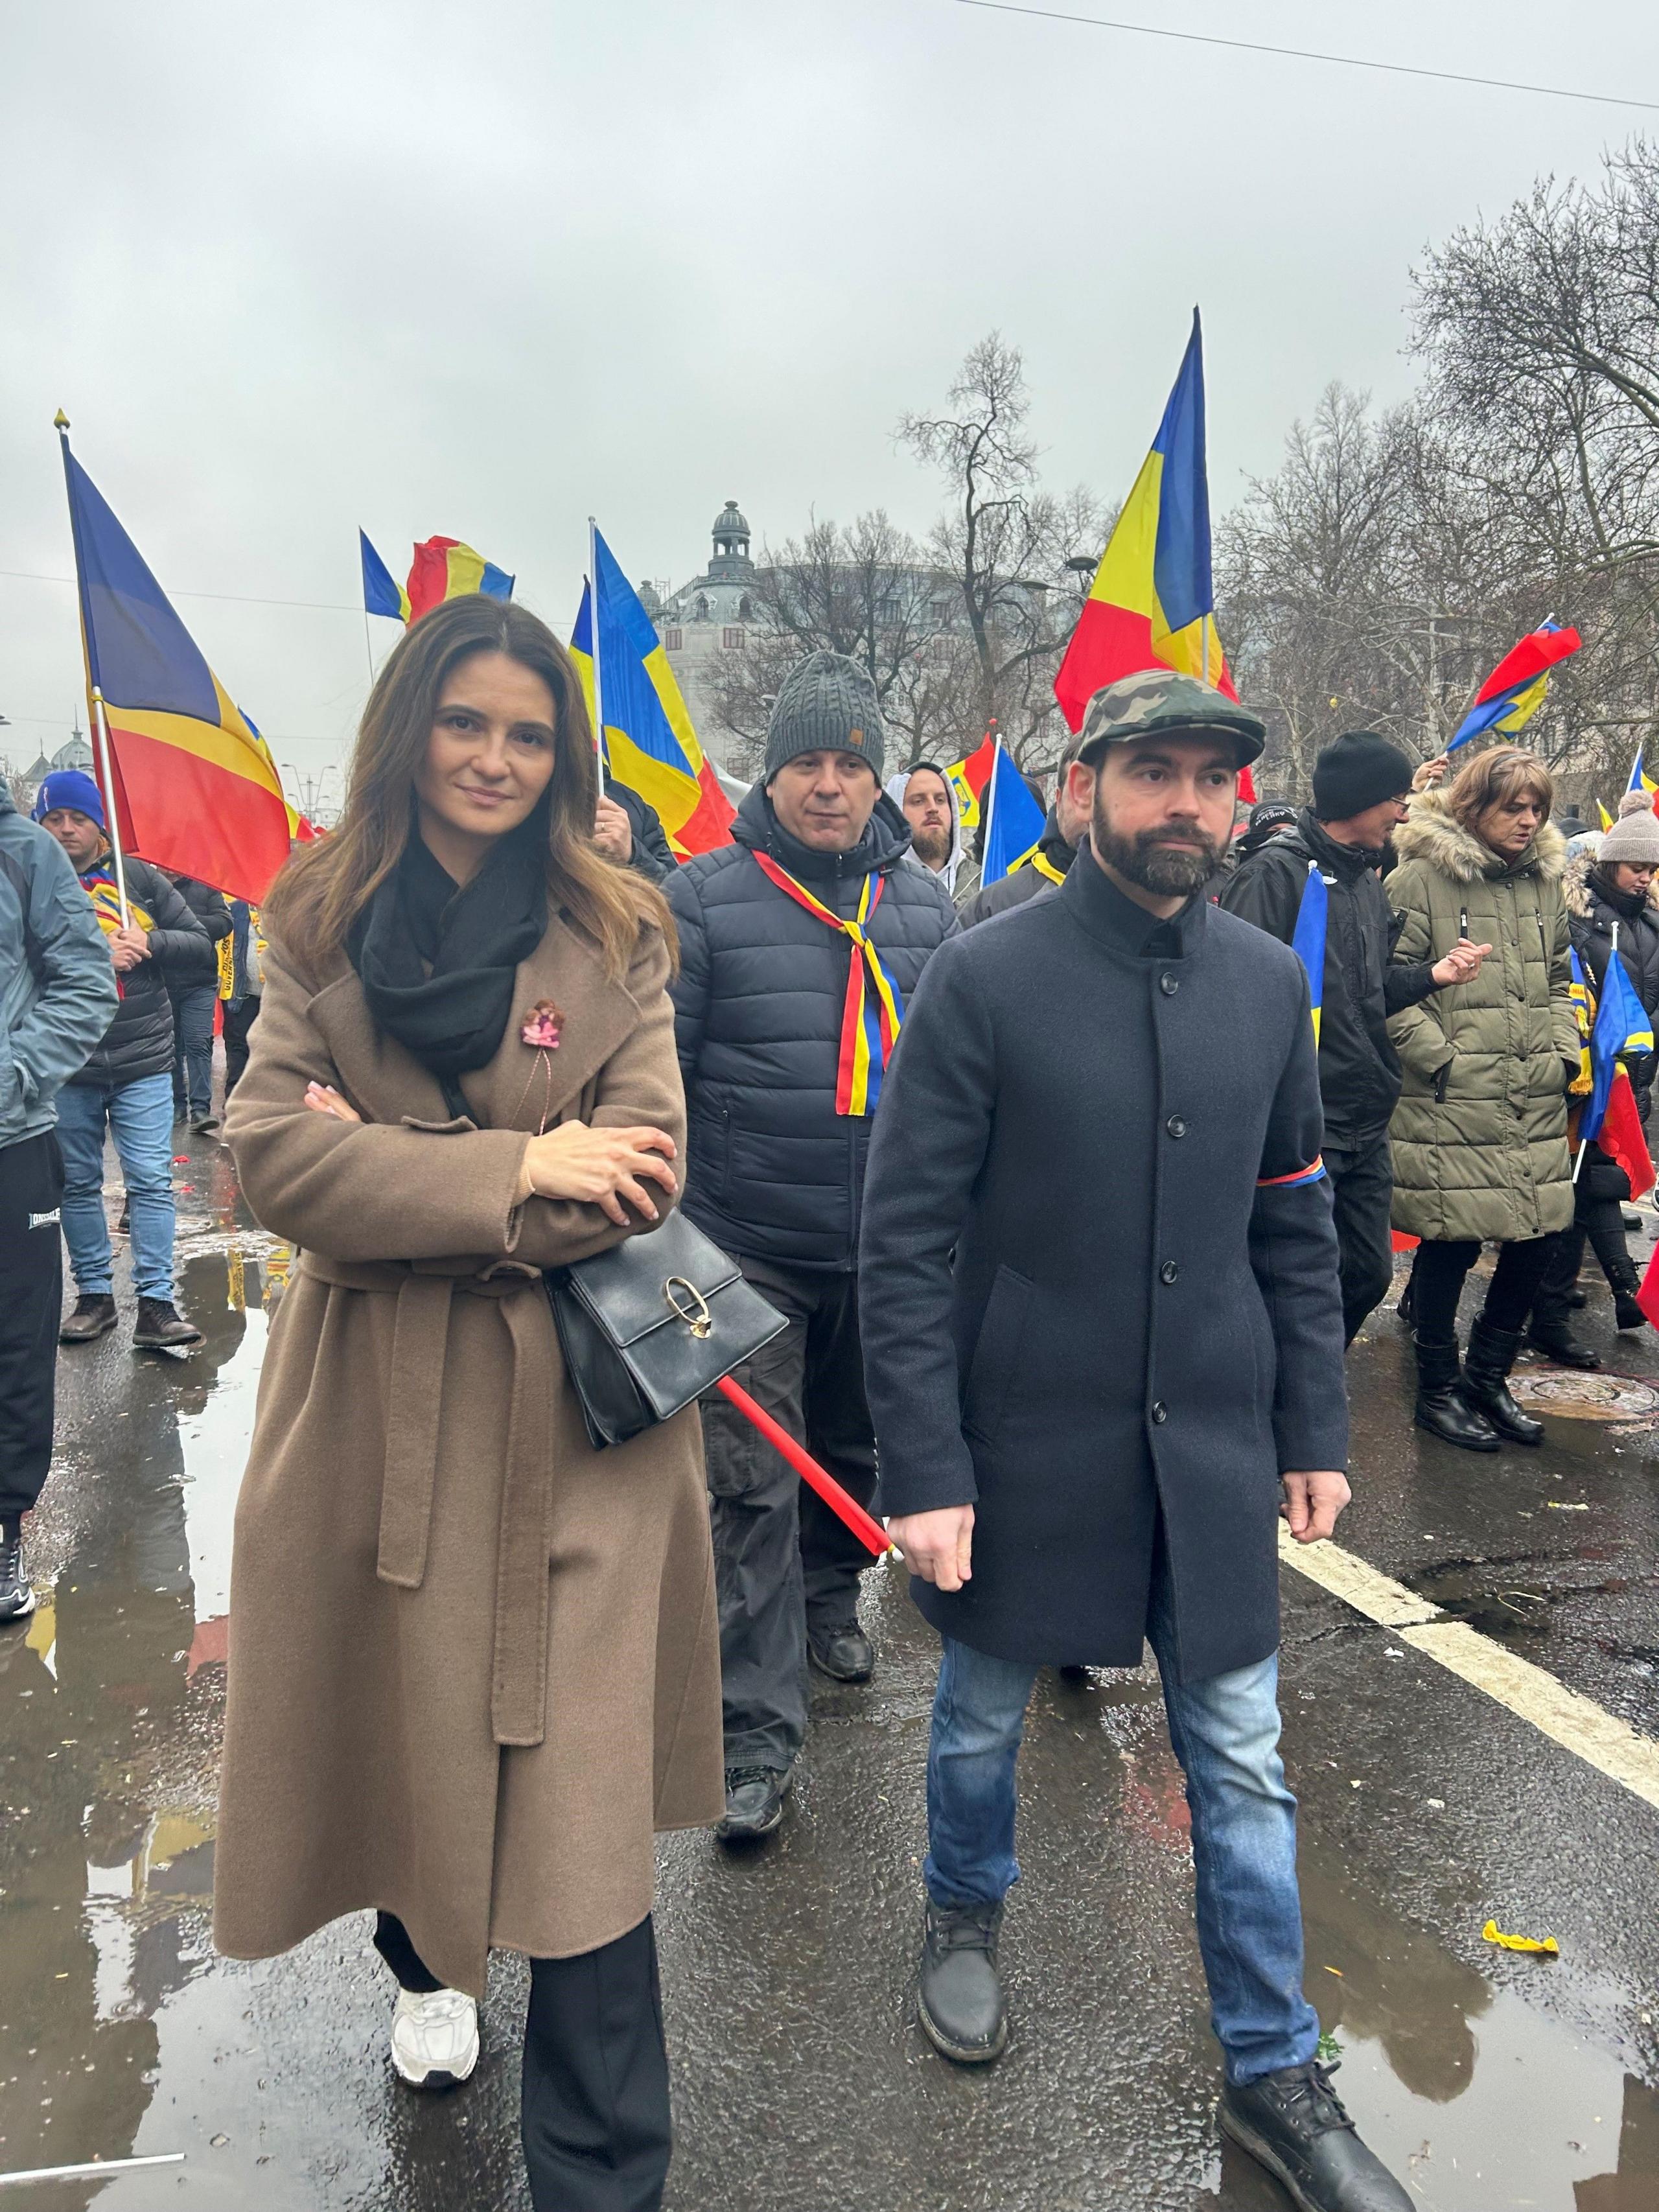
x: 731, y: 522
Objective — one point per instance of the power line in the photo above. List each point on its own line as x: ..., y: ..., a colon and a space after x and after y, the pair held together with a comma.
x: 1307, y: 54
x: 232, y: 598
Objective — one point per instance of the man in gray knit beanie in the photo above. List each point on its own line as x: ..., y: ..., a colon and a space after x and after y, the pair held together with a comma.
x: 826, y: 703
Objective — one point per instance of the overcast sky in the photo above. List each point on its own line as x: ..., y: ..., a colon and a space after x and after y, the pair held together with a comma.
x: 478, y: 271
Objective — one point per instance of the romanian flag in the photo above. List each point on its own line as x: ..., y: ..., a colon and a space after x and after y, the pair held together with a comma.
x: 443, y: 568
x: 1515, y: 691
x: 381, y: 596
x: 1606, y: 818
x: 648, y: 742
x: 967, y: 779
x: 1622, y: 1027
x: 1014, y: 822
x: 195, y: 786
x: 1639, y: 778
x: 1152, y: 603
x: 1308, y: 940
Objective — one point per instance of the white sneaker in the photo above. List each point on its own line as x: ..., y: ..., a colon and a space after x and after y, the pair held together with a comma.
x: 434, y: 2038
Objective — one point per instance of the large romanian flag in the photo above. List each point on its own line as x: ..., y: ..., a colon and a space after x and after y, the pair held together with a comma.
x: 1152, y: 602
x: 648, y: 742
x: 196, y: 788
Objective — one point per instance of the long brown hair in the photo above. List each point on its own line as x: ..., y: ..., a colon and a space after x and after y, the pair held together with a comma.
x: 1493, y: 778
x: 323, y: 887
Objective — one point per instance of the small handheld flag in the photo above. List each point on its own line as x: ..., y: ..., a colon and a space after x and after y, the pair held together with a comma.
x: 967, y: 779
x: 1014, y: 823
x: 1639, y: 778
x: 1622, y: 1027
x: 1308, y: 940
x: 443, y: 568
x: 1515, y: 691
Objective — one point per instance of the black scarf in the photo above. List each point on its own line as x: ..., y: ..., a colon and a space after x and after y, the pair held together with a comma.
x: 437, y: 963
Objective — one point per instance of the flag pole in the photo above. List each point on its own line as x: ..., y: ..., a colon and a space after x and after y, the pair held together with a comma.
x: 593, y: 610
x: 368, y: 648
x: 100, y: 720
x: 990, y: 802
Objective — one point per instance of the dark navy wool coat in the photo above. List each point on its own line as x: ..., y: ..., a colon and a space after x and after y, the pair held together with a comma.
x: 773, y: 1172
x: 1096, y: 1114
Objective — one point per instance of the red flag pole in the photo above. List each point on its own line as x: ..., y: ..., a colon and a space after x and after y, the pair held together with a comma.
x: 869, y: 1531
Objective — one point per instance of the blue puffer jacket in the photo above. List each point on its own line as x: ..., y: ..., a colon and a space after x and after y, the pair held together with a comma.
x: 773, y: 1172
x: 56, y: 983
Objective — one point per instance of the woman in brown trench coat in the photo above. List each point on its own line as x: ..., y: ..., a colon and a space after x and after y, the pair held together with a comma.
x: 474, y: 1663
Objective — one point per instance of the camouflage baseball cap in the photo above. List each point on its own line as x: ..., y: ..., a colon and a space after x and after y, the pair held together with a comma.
x: 1158, y: 702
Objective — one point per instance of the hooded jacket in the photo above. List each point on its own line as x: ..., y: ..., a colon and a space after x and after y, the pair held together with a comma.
x: 1479, y: 1136
x: 1593, y: 907
x: 948, y: 875
x: 1358, y: 1067
x: 57, y: 985
x: 772, y: 1171
x: 139, y: 1041
x: 1024, y: 883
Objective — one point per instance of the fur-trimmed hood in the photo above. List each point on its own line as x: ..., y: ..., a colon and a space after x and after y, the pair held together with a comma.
x: 1431, y: 833
x: 1582, y: 895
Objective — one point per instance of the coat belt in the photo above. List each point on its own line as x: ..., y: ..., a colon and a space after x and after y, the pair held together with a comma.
x: 518, y: 1698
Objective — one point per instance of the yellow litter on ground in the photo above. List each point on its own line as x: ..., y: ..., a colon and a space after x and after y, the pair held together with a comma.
x: 1493, y: 1934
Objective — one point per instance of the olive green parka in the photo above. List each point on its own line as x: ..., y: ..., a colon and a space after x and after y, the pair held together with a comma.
x: 1479, y: 1136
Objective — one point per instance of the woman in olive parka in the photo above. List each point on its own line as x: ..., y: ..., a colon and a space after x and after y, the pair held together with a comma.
x: 1479, y: 1136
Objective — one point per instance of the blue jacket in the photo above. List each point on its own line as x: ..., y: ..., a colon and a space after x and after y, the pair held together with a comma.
x: 1097, y: 1287
x: 57, y: 984
x: 773, y: 1172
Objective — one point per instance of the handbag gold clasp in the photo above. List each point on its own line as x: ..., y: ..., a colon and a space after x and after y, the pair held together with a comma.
x: 698, y: 1319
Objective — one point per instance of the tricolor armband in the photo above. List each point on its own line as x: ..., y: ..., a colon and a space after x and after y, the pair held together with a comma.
x: 1295, y: 1179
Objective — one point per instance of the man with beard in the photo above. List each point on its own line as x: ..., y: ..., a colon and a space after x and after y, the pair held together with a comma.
x: 924, y: 796
x: 1088, y: 1405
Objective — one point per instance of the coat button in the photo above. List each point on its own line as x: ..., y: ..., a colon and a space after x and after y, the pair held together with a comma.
x: 1160, y: 1413
x: 1175, y: 1126
x: 1168, y: 1271
x: 1168, y: 985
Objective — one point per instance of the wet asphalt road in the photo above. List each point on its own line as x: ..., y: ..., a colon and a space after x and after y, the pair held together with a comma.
x: 802, y: 2083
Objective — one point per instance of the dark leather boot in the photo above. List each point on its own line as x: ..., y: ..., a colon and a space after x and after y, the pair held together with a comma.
x: 754, y: 1804
x: 94, y: 1316
x: 1625, y: 1282
x: 1549, y: 1332
x: 1294, y: 2124
x: 841, y: 1649
x: 162, y: 1327
x: 1486, y: 1367
x: 1442, y: 1407
x: 960, y: 1999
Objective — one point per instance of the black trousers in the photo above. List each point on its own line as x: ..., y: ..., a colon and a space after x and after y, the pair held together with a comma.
x: 595, y: 2118
x: 779, y: 1552
x: 31, y: 1299
x: 241, y: 1015
x: 1362, y: 1189
x: 1600, y: 1196
x: 1438, y: 1279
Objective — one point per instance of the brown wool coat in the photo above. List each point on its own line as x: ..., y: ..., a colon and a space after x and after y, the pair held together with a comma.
x: 474, y: 1663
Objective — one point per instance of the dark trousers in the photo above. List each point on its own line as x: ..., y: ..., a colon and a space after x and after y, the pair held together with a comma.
x: 1362, y: 1189
x: 780, y: 1553
x: 31, y: 1298
x: 1600, y: 1196
x: 192, y: 1048
x: 595, y: 2117
x: 241, y: 1015
x: 1438, y: 1277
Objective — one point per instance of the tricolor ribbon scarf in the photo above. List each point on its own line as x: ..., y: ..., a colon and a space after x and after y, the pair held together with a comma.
x: 869, y: 1019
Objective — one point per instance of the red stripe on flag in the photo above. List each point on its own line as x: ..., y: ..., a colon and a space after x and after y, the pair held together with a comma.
x: 182, y: 812
x: 1622, y: 1138
x: 1107, y: 642
x: 428, y: 576
x: 709, y: 823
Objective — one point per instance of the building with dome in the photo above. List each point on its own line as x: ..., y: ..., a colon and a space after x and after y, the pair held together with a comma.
x: 706, y: 620
x: 77, y: 753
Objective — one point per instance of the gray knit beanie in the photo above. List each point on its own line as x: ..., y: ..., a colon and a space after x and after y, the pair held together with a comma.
x: 826, y: 704
x: 1635, y: 840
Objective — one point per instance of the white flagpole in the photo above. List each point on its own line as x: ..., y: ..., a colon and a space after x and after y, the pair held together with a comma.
x: 991, y: 800
x: 100, y: 720
x: 593, y: 640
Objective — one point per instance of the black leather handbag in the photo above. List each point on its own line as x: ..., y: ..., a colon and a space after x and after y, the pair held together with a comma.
x: 652, y: 1324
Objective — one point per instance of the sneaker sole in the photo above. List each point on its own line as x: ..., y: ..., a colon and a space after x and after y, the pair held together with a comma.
x: 437, y: 2078
x: 18, y: 1611
x: 1266, y: 2157
x: 979, y: 2054
x: 167, y: 1343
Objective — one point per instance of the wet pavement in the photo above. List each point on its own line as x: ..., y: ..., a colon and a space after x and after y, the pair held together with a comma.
x: 1489, y: 2080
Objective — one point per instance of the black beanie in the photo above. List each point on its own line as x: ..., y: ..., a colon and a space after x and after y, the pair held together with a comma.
x: 1360, y: 770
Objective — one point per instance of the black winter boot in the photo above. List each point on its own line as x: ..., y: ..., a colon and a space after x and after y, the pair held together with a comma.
x: 1442, y: 1407
x: 1624, y: 1282
x: 960, y: 1999
x: 1485, y: 1381
x: 1549, y: 1333
x: 1293, y: 2123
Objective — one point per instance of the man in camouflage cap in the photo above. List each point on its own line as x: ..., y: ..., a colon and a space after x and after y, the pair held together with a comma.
x: 1103, y: 1341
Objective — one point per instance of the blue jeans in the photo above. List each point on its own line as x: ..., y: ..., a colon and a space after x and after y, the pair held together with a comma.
x: 139, y: 1116
x: 192, y: 1049
x: 1225, y: 1734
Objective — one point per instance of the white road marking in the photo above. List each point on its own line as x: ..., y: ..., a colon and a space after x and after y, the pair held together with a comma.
x: 1577, y: 1724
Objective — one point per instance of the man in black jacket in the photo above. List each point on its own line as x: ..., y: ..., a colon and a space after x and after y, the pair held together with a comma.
x: 193, y: 998
x: 1091, y: 1394
x: 628, y: 829
x: 783, y: 1066
x: 126, y: 1086
x: 1062, y: 833
x: 1360, y: 786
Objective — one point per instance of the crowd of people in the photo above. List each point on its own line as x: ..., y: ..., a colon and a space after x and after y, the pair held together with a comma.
x: 997, y: 1156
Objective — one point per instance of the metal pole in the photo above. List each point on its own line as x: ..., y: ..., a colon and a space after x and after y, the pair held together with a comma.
x: 113, y: 821
x: 368, y: 648
x: 593, y: 610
